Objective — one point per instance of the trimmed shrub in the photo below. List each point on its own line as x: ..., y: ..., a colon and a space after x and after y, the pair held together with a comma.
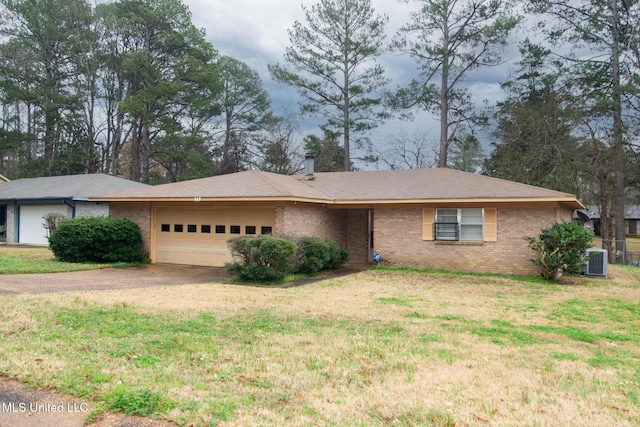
x: 97, y: 239
x: 261, y: 259
x: 561, y: 249
x: 317, y: 254
x: 338, y: 257
x: 269, y: 258
x: 320, y: 255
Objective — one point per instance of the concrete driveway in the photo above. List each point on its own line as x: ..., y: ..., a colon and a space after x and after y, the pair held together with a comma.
x: 147, y: 275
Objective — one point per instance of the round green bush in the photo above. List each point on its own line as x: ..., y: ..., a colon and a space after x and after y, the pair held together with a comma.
x: 561, y: 249
x: 317, y: 254
x: 338, y: 256
x: 269, y: 258
x: 320, y: 255
x: 261, y: 259
x: 97, y: 239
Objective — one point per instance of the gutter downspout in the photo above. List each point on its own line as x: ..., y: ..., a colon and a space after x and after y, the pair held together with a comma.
x: 73, y: 207
x: 16, y: 223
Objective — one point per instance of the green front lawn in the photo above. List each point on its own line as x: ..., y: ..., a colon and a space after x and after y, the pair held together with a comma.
x: 30, y: 260
x: 376, y: 348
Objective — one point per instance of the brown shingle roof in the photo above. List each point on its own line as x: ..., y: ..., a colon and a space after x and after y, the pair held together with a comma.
x: 77, y: 187
x: 416, y: 185
x: 241, y: 185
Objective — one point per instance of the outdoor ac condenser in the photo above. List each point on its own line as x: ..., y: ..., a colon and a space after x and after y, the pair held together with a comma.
x: 596, y: 262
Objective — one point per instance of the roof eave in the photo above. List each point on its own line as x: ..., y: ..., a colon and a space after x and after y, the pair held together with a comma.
x: 42, y: 199
x: 198, y: 199
x: 523, y: 201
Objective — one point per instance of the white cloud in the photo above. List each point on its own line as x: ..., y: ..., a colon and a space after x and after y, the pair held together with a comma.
x: 255, y: 32
x: 250, y: 30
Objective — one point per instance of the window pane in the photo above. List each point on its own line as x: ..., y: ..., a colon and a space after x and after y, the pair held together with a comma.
x: 471, y: 224
x: 165, y: 228
x: 446, y: 224
x: 446, y: 231
x: 234, y: 229
x: 221, y: 229
x: 470, y: 232
x: 447, y: 215
x: 471, y: 216
x: 250, y: 229
x: 205, y: 229
x: 192, y: 228
x: 266, y: 230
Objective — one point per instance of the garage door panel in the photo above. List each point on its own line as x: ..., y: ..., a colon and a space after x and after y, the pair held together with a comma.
x: 31, y: 229
x: 206, y: 245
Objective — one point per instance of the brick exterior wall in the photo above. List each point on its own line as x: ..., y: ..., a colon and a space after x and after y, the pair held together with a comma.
x: 293, y: 221
x: 398, y: 238
x: 11, y: 222
x: 299, y: 221
x: 358, y: 235
x: 349, y: 228
x: 140, y: 213
x: 92, y: 209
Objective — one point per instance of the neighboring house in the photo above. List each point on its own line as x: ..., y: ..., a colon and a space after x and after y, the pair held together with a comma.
x: 26, y: 201
x: 434, y: 218
x: 3, y: 214
x: 590, y: 216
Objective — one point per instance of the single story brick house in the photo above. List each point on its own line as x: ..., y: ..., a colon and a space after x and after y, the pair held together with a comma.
x: 432, y: 218
x: 24, y: 202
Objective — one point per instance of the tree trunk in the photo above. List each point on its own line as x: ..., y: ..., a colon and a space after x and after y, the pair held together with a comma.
x: 136, y: 151
x: 606, y: 224
x: 49, y: 142
x: 617, y: 146
x: 444, y: 124
x: 226, y: 166
x: 146, y: 153
x: 345, y: 116
x: 444, y: 95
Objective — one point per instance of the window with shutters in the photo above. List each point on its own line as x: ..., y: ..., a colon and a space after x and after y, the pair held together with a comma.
x: 460, y: 224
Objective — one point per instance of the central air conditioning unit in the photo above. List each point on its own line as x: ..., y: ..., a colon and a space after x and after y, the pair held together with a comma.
x: 596, y: 264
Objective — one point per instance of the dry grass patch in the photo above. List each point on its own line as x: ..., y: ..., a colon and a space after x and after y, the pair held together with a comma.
x: 374, y: 348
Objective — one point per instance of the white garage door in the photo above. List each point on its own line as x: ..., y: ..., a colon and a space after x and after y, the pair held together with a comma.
x: 199, y: 236
x: 31, y: 229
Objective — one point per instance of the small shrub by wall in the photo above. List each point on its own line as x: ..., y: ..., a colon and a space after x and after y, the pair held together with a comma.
x: 97, y: 239
x: 320, y: 255
x: 561, y: 249
x: 261, y: 259
x: 269, y: 258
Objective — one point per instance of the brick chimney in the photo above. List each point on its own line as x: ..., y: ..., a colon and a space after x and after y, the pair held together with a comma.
x: 309, y: 159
